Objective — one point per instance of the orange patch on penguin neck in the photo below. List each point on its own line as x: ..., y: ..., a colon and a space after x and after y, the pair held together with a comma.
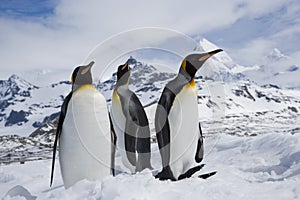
x: 192, y: 83
x: 86, y: 86
x: 183, y: 65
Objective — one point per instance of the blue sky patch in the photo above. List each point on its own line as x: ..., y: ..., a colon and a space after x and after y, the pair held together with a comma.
x: 27, y: 8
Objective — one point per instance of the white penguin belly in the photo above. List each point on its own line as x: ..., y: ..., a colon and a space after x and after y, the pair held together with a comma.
x: 85, y: 147
x: 119, y: 124
x: 184, y: 131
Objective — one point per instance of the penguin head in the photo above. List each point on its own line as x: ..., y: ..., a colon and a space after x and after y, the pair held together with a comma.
x: 123, y: 74
x: 82, y: 75
x: 193, y: 62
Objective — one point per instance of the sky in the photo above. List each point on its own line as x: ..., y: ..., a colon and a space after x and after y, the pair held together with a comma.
x: 60, y: 34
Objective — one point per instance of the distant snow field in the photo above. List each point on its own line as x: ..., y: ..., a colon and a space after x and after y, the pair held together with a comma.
x: 262, y: 167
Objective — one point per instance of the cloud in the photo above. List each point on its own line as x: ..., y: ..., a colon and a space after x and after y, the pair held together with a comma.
x: 277, y: 29
x: 63, y: 38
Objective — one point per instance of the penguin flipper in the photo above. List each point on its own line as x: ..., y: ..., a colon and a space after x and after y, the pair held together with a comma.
x: 143, y: 136
x: 130, y: 141
x: 113, y: 147
x: 200, y: 147
x: 58, y: 131
x: 143, y: 149
x: 162, y: 125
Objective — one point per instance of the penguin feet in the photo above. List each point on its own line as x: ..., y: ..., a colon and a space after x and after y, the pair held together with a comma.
x: 190, y: 172
x: 165, y: 174
x: 115, y: 172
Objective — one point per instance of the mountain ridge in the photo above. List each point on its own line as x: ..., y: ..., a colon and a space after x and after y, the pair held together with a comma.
x: 23, y: 104
x: 226, y: 96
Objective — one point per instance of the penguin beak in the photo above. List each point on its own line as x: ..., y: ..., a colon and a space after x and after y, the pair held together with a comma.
x: 87, y: 68
x: 198, y: 59
x: 208, y: 55
x: 91, y: 63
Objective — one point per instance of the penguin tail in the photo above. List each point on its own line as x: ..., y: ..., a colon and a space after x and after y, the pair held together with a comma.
x: 207, y: 175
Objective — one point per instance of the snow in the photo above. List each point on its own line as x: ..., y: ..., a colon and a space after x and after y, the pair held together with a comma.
x: 276, y: 55
x: 278, y: 69
x: 262, y: 167
x: 42, y: 102
x: 240, y: 69
x: 221, y: 57
x: 19, y: 192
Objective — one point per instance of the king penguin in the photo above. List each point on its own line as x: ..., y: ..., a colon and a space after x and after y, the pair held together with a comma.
x: 130, y: 124
x: 177, y: 128
x: 83, y: 132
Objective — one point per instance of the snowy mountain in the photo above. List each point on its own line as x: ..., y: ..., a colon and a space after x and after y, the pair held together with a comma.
x: 235, y: 103
x: 14, y: 91
x: 225, y: 95
x: 24, y: 106
x: 276, y: 68
x: 145, y: 80
x: 276, y: 55
x: 220, y: 66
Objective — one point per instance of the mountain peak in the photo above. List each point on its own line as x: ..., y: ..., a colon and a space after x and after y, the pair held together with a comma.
x: 21, y: 83
x: 131, y: 60
x: 206, y: 45
x: 15, y: 85
x: 276, y: 55
x: 222, y: 57
x: 14, y: 77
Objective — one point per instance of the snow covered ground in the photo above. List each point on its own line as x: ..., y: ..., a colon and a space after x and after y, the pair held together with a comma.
x: 261, y: 167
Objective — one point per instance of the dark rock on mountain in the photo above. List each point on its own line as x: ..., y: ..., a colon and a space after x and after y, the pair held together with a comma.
x: 17, y: 117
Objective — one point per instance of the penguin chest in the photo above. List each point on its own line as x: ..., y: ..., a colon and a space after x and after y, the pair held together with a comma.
x: 184, y: 132
x: 118, y: 118
x: 85, y: 139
